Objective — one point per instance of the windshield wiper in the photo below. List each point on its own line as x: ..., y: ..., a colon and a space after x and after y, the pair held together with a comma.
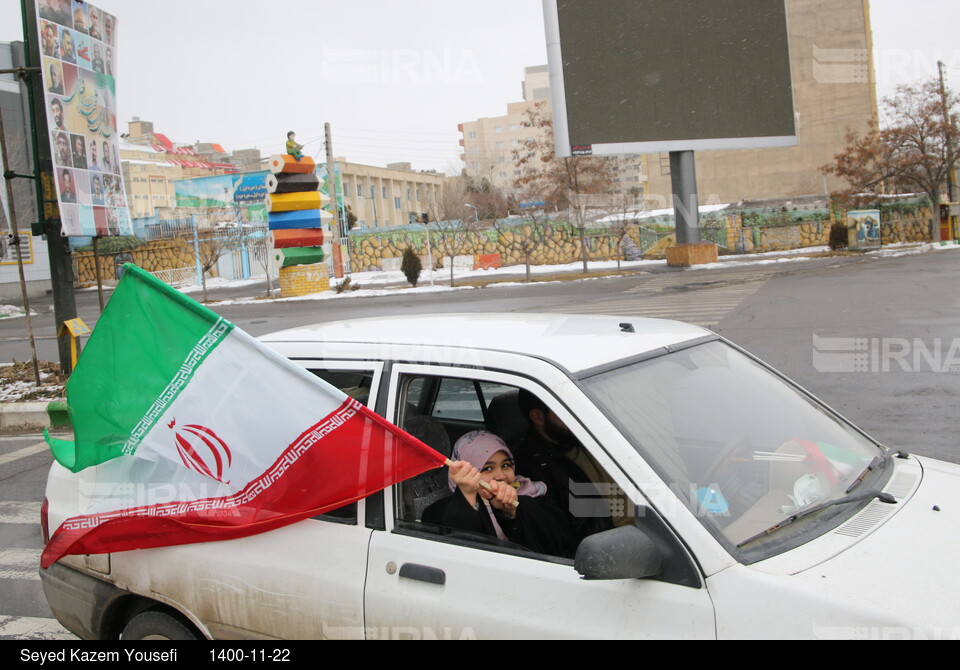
x: 856, y: 497
x: 877, y: 460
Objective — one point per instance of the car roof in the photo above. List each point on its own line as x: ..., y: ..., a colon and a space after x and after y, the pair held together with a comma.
x: 574, y: 342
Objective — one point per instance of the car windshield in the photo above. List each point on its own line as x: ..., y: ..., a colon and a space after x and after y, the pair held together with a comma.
x: 743, y: 449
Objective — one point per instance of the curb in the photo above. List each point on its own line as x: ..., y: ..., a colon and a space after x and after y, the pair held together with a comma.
x: 31, y: 416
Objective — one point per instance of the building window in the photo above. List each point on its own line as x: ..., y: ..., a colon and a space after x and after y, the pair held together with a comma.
x: 396, y: 203
x: 384, y: 192
x: 408, y: 194
x: 373, y: 192
x: 472, y: 135
x: 513, y: 127
x: 359, y: 190
x: 499, y: 145
x: 418, y: 195
x: 498, y: 129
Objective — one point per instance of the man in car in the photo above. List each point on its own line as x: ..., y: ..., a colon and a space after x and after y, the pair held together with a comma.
x: 551, y: 453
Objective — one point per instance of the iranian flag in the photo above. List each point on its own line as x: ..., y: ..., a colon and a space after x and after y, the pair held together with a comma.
x: 188, y: 430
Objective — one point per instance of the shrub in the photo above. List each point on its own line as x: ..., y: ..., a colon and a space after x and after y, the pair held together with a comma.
x: 838, y: 236
x: 411, y: 266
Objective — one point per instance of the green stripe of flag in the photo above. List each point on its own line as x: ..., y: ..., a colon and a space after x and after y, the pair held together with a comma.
x: 142, y: 353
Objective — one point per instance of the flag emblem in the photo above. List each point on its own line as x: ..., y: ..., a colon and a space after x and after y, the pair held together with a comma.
x: 203, y: 451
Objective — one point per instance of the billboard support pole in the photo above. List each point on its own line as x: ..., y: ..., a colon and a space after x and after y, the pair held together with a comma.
x: 58, y: 246
x: 686, y: 205
x: 96, y: 267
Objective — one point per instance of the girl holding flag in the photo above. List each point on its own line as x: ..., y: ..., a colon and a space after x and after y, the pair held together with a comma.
x: 514, y: 509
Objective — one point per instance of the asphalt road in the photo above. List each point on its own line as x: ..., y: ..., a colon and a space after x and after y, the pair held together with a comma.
x: 902, y: 313
x: 774, y: 310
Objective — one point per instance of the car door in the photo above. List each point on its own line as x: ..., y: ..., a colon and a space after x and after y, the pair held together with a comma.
x: 424, y: 583
x: 303, y: 581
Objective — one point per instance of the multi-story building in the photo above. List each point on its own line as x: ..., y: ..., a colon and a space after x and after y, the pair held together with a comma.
x: 489, y: 144
x: 149, y: 179
x: 392, y: 196
x: 152, y: 163
x: 185, y: 155
x: 17, y: 132
x: 834, y: 91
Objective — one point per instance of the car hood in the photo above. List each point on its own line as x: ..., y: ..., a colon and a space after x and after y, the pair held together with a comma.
x: 888, y: 573
x: 903, y: 572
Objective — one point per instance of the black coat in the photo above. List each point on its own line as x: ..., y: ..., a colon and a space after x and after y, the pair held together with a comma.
x: 538, y: 525
x: 587, y: 511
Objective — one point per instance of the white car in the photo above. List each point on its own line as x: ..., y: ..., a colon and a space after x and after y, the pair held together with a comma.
x: 744, y: 508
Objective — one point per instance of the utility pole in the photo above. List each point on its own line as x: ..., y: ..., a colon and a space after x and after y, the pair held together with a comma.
x: 332, y: 177
x: 951, y: 196
x: 8, y: 177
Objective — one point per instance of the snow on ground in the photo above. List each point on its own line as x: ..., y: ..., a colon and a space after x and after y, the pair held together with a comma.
x: 13, y: 312
x: 17, y: 382
x: 380, y: 283
x: 219, y: 282
x: 11, y: 391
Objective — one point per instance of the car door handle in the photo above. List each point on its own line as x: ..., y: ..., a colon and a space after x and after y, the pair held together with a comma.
x: 423, y: 573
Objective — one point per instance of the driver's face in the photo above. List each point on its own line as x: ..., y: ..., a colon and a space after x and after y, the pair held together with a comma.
x: 557, y: 430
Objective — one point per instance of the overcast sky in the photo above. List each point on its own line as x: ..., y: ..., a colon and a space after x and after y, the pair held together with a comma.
x: 393, y: 77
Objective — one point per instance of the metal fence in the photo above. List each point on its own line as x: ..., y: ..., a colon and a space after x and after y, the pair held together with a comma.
x: 167, y: 228
x: 176, y: 276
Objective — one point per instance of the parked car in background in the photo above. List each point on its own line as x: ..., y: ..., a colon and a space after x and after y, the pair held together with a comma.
x: 744, y: 507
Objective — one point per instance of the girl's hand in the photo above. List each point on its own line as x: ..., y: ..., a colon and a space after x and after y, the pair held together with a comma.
x: 503, y: 498
x: 467, y: 478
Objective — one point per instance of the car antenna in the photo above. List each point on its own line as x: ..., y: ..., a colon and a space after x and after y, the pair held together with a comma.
x: 627, y: 328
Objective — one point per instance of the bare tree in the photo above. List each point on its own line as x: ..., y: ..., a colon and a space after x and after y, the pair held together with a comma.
x: 218, y: 232
x: 260, y: 249
x: 915, y: 149
x: 454, y: 237
x: 524, y: 239
x: 560, y: 183
x: 620, y: 214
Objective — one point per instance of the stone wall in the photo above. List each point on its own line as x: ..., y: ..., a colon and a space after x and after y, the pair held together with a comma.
x: 556, y: 244
x: 553, y: 244
x: 155, y: 256
x: 898, y: 227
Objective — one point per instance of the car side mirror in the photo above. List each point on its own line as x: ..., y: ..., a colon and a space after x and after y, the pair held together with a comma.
x: 621, y: 553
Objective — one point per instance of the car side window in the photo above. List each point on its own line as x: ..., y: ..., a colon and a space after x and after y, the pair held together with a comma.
x: 439, y: 410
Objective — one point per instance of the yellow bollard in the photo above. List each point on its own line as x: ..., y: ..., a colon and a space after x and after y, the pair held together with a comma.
x: 74, y: 328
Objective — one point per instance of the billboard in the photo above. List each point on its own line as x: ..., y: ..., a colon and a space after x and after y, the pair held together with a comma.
x: 78, y: 59
x: 227, y: 196
x: 650, y: 76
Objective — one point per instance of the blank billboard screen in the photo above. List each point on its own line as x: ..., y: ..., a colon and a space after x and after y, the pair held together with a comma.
x: 667, y: 75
